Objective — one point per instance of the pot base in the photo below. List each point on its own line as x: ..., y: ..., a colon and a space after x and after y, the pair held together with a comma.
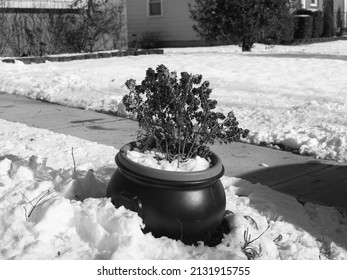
x: 222, y: 230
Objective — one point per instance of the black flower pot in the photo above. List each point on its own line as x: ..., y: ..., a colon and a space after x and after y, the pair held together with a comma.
x: 186, y: 206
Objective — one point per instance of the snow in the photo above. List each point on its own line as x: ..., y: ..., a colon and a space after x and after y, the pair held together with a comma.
x: 290, y: 95
x: 53, y: 186
x: 52, y: 210
x: 150, y: 159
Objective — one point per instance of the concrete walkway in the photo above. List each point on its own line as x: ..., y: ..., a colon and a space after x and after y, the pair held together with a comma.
x: 319, y: 181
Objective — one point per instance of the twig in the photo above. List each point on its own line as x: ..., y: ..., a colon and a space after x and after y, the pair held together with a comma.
x: 248, y: 250
x: 278, y: 239
x: 73, y: 158
x: 26, y: 199
x: 37, y: 202
x: 33, y: 206
x: 179, y: 148
x: 26, y: 216
x: 260, y: 234
x: 58, y: 237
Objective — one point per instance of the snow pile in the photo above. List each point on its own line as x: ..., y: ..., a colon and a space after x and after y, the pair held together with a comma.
x: 328, y: 48
x: 52, y: 208
x: 294, y: 96
x: 151, y: 159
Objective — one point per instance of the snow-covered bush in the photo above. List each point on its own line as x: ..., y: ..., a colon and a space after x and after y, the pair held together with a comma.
x: 177, y: 116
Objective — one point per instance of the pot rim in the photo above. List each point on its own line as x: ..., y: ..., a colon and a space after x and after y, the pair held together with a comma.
x: 213, y: 173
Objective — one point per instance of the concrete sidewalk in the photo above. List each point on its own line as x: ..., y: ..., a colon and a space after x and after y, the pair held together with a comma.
x: 319, y: 181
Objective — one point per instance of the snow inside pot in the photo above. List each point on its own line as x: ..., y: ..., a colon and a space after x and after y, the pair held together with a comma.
x: 186, y: 206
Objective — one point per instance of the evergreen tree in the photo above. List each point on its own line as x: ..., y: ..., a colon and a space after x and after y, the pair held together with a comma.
x: 242, y: 22
x: 328, y: 19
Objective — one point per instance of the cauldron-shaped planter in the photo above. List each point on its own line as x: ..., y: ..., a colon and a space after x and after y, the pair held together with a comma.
x: 186, y: 206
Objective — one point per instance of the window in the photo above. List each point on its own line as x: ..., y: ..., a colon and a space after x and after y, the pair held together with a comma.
x: 314, y: 3
x: 155, y: 8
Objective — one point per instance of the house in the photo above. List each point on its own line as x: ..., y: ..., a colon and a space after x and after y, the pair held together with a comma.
x: 168, y: 22
x: 319, y: 4
x: 158, y: 23
x: 338, y: 8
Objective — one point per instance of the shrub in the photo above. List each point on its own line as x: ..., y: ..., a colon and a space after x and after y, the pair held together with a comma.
x: 68, y: 33
x: 287, y: 35
x: 339, y: 22
x: 99, y: 19
x: 283, y: 34
x: 148, y: 41
x: 303, y: 26
x: 328, y: 22
x: 178, y: 117
x: 240, y: 22
x: 93, y: 24
x: 317, y: 28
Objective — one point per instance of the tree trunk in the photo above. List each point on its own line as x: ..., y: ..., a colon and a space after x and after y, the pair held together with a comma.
x: 246, y: 45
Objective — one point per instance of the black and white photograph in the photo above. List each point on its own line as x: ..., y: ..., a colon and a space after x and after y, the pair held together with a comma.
x: 173, y: 130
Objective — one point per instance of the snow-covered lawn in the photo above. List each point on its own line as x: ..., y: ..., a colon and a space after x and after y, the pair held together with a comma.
x: 290, y: 95
x: 50, y: 210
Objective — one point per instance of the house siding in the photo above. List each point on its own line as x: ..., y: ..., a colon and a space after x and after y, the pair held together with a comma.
x: 336, y: 5
x: 173, y: 28
x: 306, y: 4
